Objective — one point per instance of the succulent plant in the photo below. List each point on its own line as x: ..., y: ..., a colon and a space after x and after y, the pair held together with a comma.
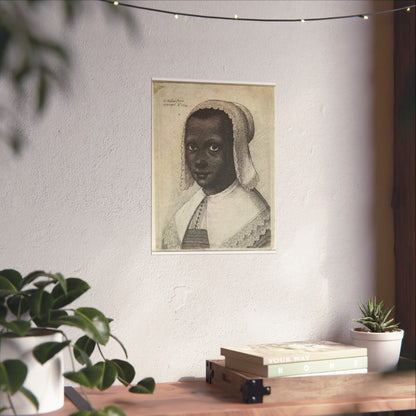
x: 375, y: 317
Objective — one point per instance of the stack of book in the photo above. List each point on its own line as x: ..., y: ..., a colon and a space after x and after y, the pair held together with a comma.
x: 296, y: 359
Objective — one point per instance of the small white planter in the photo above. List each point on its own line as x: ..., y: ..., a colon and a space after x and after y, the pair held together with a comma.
x: 44, y: 381
x: 383, y: 348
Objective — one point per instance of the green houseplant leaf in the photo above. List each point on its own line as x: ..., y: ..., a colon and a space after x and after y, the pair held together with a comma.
x: 7, y: 287
x: 53, y: 278
x: 83, y: 349
x: 31, y: 277
x: 105, y: 411
x: 13, y: 276
x: 3, y: 312
x: 75, y: 288
x: 98, y: 328
x: 42, y: 298
x: 40, y: 303
x: 12, y: 375
x: 108, y: 374
x: 18, y: 327
x: 110, y: 411
x: 91, y: 321
x: 30, y: 396
x: 18, y: 305
x: 45, y: 351
x: 125, y: 371
x: 88, y: 376
x: 145, y: 386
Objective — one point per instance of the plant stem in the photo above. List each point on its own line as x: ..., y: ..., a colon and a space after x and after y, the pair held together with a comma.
x: 11, y: 404
x: 19, y: 310
x: 101, y: 353
x: 73, y: 369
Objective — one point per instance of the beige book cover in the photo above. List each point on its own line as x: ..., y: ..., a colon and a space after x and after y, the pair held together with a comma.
x: 267, y: 354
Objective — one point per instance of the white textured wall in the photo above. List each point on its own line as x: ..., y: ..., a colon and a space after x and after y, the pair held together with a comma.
x: 79, y: 199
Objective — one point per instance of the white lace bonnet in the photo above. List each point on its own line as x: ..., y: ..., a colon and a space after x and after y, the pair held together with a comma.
x: 243, y: 132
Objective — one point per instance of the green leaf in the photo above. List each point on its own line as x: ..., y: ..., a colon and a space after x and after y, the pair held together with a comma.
x: 13, y: 276
x: 145, y: 386
x: 98, y: 328
x: 88, y: 376
x: 105, y: 411
x: 45, y: 351
x: 6, y: 287
x: 30, y: 396
x: 75, y: 288
x: 55, y: 316
x: 125, y: 371
x: 110, y: 411
x: 12, y: 375
x: 40, y: 304
x: 92, y: 323
x: 3, y: 312
x: 31, y: 277
x: 54, y: 277
x: 18, y: 305
x: 108, y: 374
x: 75, y: 321
x: 83, y: 349
x: 18, y: 327
x: 83, y: 413
x: 62, y: 281
x: 44, y: 283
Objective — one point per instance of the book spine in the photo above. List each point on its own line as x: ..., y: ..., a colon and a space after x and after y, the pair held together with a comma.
x: 333, y: 373
x: 313, y: 367
x: 308, y: 367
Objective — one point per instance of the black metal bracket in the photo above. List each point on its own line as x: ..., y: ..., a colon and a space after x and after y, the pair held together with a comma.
x: 209, y: 372
x: 77, y: 399
x: 253, y: 391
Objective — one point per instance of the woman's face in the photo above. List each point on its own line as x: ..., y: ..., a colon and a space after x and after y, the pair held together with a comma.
x: 209, y: 153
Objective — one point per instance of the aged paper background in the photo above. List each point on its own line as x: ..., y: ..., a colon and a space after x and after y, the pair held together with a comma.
x: 171, y: 103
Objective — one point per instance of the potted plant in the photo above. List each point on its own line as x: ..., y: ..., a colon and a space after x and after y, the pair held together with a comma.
x: 34, y: 310
x: 380, y: 335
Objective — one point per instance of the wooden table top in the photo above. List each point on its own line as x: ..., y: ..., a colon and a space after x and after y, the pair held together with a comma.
x: 198, y: 398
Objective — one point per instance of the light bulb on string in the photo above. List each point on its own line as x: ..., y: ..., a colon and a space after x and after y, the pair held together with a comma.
x: 248, y: 19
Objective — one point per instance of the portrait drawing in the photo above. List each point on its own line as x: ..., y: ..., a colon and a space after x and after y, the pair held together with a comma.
x: 211, y: 190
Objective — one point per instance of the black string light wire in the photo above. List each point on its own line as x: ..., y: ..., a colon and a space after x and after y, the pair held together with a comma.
x: 364, y: 16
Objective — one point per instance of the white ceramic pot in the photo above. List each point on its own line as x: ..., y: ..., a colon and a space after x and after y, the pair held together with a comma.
x: 383, y: 348
x: 44, y: 381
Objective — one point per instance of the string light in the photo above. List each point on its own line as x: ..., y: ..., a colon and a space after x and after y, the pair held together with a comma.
x: 246, y: 19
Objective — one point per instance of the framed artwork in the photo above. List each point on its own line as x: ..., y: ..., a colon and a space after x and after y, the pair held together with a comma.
x: 212, y: 166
